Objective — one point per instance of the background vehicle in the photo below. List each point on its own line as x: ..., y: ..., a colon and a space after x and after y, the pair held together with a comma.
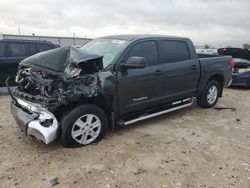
x: 241, y: 72
x: 112, y: 81
x: 12, y: 52
x: 211, y: 51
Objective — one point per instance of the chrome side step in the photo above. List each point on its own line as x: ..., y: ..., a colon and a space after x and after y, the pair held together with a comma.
x: 157, y: 114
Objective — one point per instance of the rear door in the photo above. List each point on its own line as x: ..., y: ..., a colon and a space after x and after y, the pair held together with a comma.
x: 140, y: 88
x: 181, y: 71
x: 3, y: 54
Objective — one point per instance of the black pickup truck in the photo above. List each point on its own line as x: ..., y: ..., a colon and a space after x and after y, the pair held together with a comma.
x: 75, y: 94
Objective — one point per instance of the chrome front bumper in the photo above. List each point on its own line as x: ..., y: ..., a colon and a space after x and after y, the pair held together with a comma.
x: 39, y: 122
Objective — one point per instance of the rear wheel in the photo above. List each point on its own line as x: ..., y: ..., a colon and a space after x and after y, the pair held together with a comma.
x: 210, y: 95
x: 83, y: 125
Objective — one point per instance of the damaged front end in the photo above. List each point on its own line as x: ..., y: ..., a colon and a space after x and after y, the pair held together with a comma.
x: 241, y: 73
x: 49, y: 80
x: 58, y: 76
x: 53, y: 91
x: 35, y: 120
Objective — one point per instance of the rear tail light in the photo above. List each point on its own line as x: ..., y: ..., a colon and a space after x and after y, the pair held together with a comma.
x: 231, y: 63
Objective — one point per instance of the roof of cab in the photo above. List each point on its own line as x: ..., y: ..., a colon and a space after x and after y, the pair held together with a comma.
x: 131, y: 37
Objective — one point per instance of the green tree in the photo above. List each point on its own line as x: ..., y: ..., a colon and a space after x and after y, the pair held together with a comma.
x: 206, y: 46
x: 246, y: 46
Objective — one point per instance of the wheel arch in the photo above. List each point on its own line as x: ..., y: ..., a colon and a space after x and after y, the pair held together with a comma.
x: 217, y: 77
x: 101, y: 101
x: 220, y: 79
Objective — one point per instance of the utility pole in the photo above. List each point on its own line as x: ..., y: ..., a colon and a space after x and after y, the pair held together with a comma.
x: 19, y: 30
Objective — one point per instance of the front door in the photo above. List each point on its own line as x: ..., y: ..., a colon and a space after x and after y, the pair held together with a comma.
x: 140, y: 88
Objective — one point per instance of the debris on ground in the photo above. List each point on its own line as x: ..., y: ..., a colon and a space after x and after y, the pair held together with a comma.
x: 224, y: 108
x: 140, y: 171
x: 188, y: 150
x: 54, y: 181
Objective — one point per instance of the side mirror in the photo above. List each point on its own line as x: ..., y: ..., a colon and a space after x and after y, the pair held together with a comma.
x: 134, y: 63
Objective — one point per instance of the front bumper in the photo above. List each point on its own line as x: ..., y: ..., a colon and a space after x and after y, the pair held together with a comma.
x: 240, y: 80
x: 36, y: 121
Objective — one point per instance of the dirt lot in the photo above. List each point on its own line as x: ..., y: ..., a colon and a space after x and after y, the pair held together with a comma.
x: 189, y: 148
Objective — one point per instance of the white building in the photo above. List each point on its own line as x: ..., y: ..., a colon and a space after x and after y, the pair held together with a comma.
x: 206, y: 51
x: 61, y: 41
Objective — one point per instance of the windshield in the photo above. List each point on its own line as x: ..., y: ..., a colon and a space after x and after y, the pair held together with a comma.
x: 108, y: 48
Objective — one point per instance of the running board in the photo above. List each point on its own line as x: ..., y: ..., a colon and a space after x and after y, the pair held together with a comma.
x: 157, y: 114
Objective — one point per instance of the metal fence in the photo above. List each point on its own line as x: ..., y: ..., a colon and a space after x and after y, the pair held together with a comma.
x: 61, y: 41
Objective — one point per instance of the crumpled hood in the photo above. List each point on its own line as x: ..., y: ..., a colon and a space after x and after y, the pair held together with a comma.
x: 67, y: 60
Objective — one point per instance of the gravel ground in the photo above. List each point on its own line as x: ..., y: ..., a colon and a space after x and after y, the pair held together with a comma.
x: 193, y: 147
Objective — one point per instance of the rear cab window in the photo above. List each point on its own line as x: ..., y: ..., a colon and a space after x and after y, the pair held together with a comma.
x: 43, y: 47
x: 38, y: 47
x: 2, y: 49
x: 174, y: 51
x: 33, y: 49
x: 18, y: 50
x: 145, y: 49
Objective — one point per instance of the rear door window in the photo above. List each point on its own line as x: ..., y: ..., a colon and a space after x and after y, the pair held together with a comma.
x: 174, y: 51
x: 18, y: 49
x: 33, y: 49
x: 2, y: 49
x: 147, y: 49
x: 43, y: 47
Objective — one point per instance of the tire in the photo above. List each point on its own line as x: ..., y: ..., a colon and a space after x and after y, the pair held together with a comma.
x: 84, y: 125
x: 212, y: 88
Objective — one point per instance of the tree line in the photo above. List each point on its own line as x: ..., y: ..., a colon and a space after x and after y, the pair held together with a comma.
x: 244, y: 46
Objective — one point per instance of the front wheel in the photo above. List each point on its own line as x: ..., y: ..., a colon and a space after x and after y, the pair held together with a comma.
x: 83, y: 125
x: 210, y: 95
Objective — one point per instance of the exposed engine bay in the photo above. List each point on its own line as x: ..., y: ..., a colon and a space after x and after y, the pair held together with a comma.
x: 241, y: 66
x: 242, y: 70
x: 49, y: 80
x: 49, y: 89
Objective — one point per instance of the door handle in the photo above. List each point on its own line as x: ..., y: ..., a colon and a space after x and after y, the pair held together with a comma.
x: 158, y: 72
x: 193, y: 67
